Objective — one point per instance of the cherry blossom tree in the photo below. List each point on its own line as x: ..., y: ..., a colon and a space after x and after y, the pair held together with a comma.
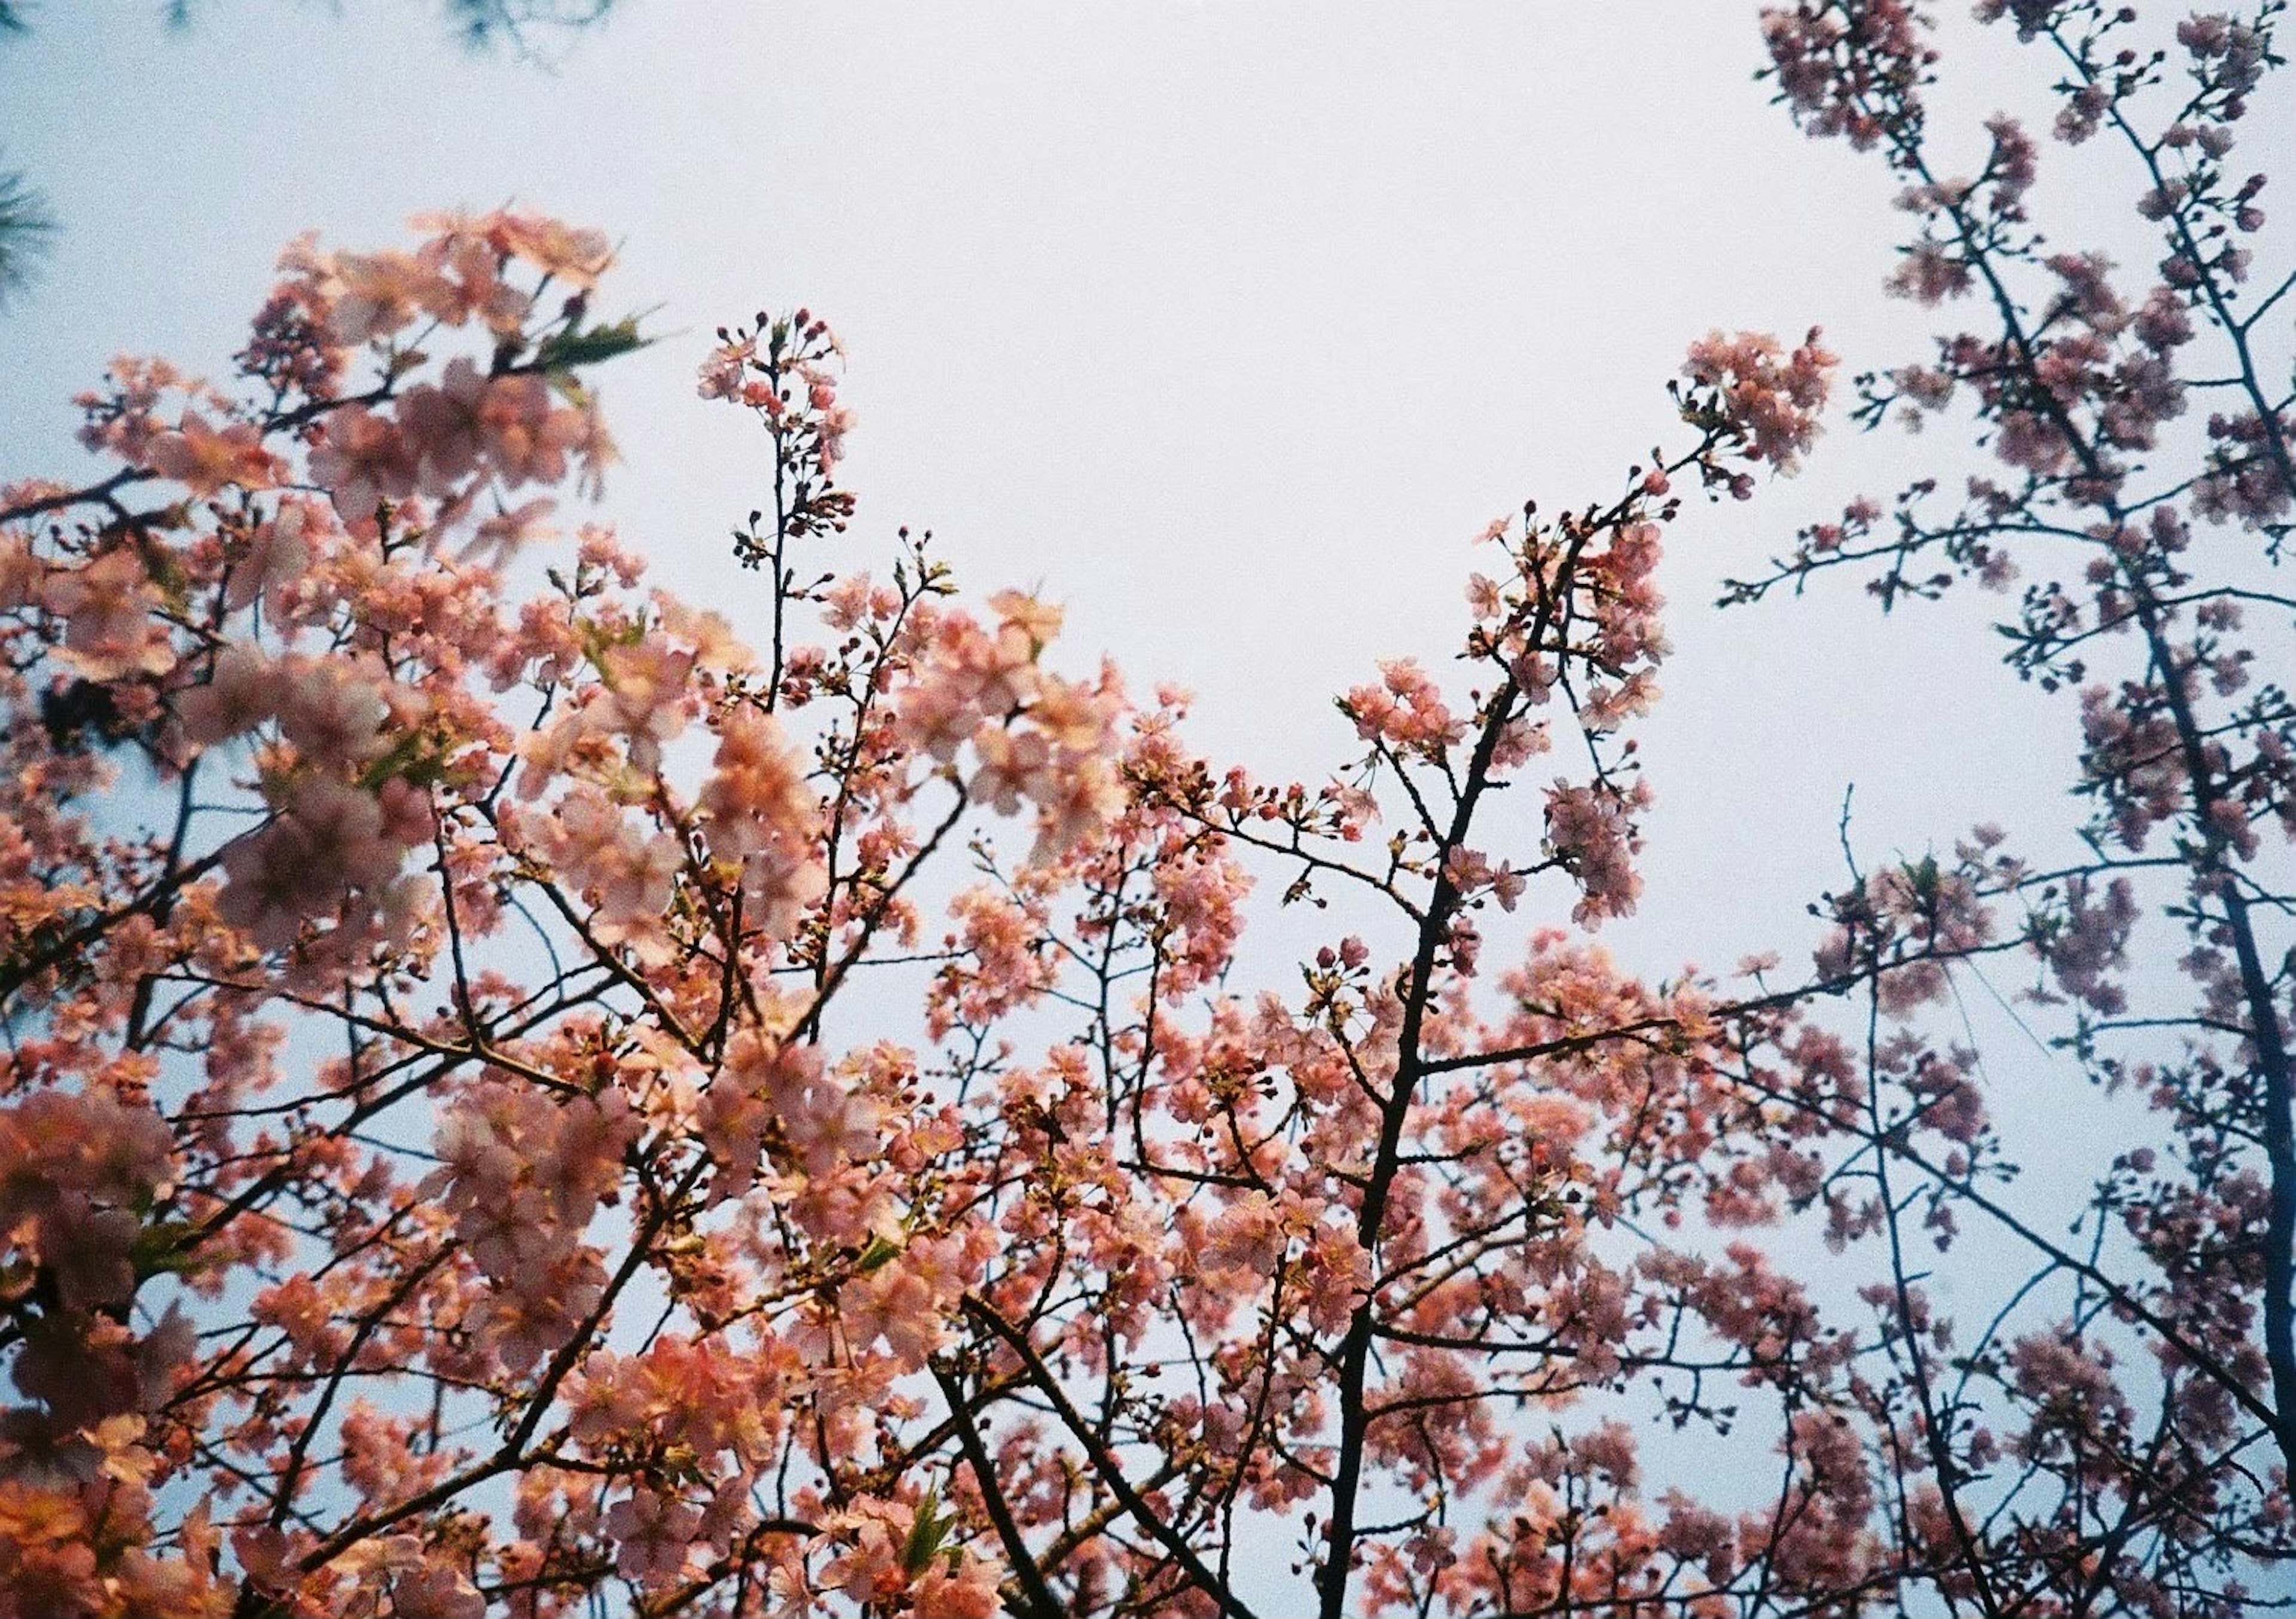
x: 2121, y: 1434
x: 525, y: 1094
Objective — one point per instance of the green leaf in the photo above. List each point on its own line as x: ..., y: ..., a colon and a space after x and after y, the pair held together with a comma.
x: 158, y: 1248
x: 415, y: 757
x: 926, y: 1534
x: 580, y: 346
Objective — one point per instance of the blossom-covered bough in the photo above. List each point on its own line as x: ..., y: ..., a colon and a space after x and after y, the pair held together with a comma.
x: 521, y: 1094
x: 2120, y: 1436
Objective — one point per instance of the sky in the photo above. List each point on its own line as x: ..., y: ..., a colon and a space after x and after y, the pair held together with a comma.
x: 1227, y: 325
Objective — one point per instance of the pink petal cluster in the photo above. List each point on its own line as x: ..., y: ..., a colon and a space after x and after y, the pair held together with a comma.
x: 1772, y: 398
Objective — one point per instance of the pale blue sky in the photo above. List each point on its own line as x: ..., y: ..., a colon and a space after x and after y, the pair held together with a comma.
x: 1228, y: 324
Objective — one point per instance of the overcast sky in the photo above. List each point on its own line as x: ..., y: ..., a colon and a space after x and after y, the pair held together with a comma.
x: 1226, y: 323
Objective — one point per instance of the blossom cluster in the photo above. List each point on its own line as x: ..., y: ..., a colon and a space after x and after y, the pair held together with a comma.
x: 1769, y: 396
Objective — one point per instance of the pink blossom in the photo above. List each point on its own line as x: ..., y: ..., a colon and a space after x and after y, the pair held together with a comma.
x: 653, y: 1534
x: 206, y: 460
x: 1772, y: 401
x: 362, y: 461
